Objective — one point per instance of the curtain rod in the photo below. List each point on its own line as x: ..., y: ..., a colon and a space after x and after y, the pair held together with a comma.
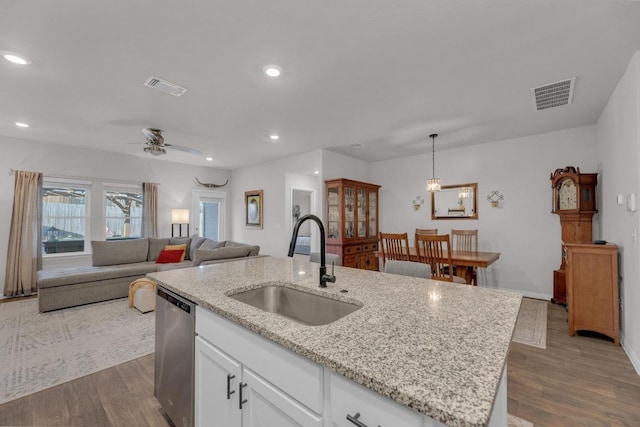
x: 85, y: 178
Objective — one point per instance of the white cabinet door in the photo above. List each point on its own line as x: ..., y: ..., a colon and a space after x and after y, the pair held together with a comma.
x: 267, y: 406
x: 361, y: 405
x: 217, y: 378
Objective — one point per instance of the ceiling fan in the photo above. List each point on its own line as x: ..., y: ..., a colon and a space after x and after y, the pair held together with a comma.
x: 155, y: 144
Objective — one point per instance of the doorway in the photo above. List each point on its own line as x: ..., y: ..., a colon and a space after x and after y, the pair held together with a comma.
x: 302, y: 203
x: 209, y: 214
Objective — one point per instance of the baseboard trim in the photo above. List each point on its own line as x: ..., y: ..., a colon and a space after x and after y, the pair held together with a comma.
x: 633, y: 357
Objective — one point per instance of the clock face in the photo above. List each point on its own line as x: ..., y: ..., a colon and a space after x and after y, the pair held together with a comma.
x: 567, y: 195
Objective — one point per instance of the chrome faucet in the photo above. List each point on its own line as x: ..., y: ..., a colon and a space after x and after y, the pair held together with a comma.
x: 324, y: 277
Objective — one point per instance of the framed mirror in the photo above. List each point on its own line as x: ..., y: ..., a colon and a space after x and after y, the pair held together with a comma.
x: 455, y: 202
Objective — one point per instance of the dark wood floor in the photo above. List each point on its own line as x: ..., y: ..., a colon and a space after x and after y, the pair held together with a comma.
x: 579, y: 381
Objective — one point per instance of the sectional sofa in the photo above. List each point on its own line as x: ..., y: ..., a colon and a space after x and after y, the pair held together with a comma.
x: 115, y: 264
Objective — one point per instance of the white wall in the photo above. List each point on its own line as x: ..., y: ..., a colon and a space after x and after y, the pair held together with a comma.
x: 276, y: 179
x: 618, y: 142
x: 176, y: 180
x: 522, y: 229
x: 335, y: 165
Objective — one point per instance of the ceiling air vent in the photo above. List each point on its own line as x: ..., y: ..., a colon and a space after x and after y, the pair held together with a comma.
x: 356, y: 145
x: 165, y: 86
x: 553, y: 94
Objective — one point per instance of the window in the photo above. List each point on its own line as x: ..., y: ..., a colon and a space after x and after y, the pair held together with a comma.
x: 64, y: 217
x: 72, y: 218
x: 123, y: 213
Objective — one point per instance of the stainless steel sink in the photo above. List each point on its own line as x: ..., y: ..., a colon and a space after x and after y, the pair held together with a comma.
x: 303, y: 307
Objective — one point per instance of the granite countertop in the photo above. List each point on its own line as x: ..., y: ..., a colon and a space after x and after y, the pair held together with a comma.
x: 436, y: 347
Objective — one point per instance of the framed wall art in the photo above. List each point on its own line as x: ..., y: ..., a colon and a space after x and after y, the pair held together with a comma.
x: 253, y: 201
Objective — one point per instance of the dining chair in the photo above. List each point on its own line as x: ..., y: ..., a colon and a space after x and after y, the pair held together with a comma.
x: 408, y: 268
x: 329, y: 258
x: 435, y: 250
x: 466, y: 240
x: 424, y: 231
x: 394, y: 246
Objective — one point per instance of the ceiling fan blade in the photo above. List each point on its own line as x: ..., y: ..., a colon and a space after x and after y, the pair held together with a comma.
x: 181, y: 148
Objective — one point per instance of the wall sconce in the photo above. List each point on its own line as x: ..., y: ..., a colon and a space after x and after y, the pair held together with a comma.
x: 417, y: 202
x: 494, y: 197
x: 179, y: 216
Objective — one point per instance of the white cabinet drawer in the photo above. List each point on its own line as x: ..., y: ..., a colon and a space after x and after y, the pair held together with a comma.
x: 297, y: 376
x: 349, y: 399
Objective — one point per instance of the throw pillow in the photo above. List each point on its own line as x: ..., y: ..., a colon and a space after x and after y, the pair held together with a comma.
x: 220, y: 253
x: 181, y: 241
x: 169, y: 256
x: 182, y: 247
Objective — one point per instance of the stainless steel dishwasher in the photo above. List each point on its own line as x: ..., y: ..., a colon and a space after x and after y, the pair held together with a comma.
x: 174, y: 358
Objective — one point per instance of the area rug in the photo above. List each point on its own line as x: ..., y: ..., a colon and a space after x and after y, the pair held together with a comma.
x: 514, y: 421
x: 41, y: 350
x: 531, y: 326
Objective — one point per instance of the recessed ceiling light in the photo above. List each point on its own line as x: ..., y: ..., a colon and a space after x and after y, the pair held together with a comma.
x: 316, y: 172
x: 209, y: 159
x: 274, y: 137
x: 272, y: 70
x: 15, y: 58
x: 22, y: 125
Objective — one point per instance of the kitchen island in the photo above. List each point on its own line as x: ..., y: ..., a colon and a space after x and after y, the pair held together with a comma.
x: 436, y: 348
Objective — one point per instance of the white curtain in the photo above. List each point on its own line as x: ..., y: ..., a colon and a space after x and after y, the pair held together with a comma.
x: 150, y: 209
x: 24, y: 253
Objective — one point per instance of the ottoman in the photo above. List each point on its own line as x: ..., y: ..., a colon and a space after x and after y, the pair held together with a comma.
x: 142, y: 295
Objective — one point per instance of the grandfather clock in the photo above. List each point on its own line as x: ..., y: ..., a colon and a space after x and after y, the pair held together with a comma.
x: 574, y: 201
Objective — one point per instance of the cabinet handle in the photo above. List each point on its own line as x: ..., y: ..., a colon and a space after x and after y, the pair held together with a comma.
x: 229, y: 391
x: 354, y: 419
x: 241, y: 401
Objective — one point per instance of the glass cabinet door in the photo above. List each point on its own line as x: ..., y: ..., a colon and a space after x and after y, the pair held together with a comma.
x: 349, y: 211
x: 373, y: 214
x: 362, y: 213
x: 333, y: 212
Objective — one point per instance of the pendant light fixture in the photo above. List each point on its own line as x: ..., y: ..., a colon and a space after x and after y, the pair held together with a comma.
x: 433, y: 184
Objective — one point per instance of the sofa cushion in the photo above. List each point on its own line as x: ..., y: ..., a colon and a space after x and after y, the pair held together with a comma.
x: 173, y: 266
x: 155, y: 247
x: 210, y: 245
x: 84, y: 274
x: 255, y: 249
x: 220, y: 253
x: 182, y: 241
x: 170, y: 256
x: 119, y: 252
x: 196, y: 241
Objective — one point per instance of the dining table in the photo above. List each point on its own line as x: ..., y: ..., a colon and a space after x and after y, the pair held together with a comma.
x: 465, y: 261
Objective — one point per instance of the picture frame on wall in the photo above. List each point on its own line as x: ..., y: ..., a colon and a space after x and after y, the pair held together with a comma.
x: 253, y: 201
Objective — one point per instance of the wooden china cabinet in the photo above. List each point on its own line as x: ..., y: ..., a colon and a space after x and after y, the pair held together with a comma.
x: 574, y: 201
x: 352, y: 222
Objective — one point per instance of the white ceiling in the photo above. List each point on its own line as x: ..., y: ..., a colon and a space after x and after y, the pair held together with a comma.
x: 384, y: 73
